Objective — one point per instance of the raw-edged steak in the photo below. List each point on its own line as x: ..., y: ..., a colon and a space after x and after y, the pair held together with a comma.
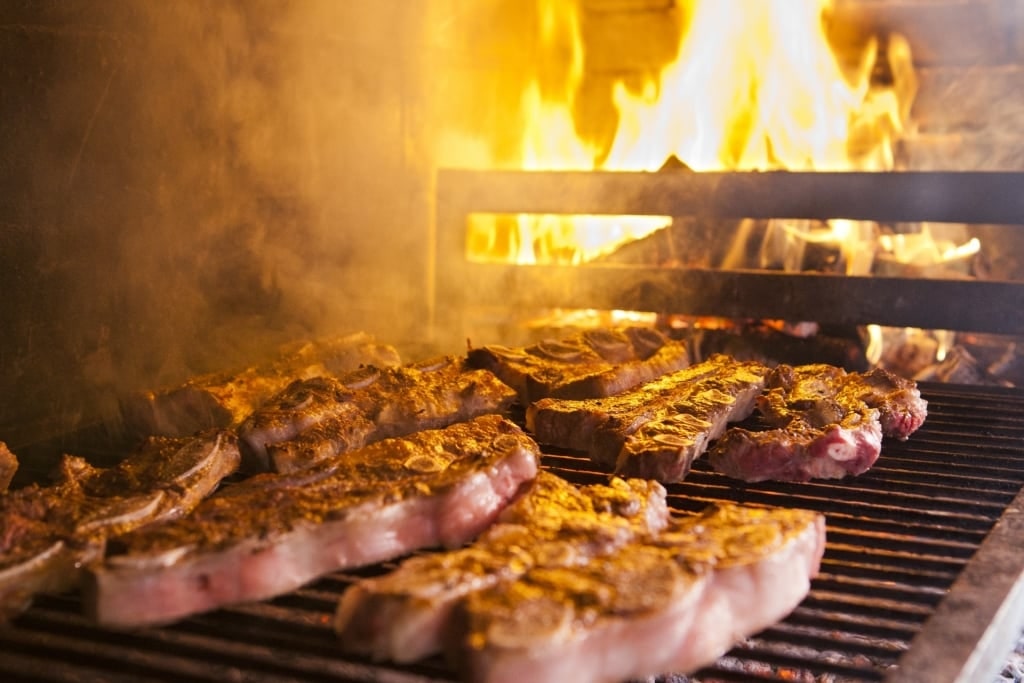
x: 225, y: 399
x: 404, y: 615
x: 658, y: 429
x: 50, y: 532
x: 315, y: 419
x: 594, y: 363
x: 825, y: 423
x: 671, y: 602
x: 275, y: 532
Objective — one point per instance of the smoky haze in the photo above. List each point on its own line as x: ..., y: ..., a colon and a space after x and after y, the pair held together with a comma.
x: 184, y: 186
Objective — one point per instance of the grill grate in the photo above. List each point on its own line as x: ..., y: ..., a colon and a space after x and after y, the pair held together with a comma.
x: 900, y: 537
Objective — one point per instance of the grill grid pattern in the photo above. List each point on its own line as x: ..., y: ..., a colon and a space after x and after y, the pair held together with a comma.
x: 898, y: 538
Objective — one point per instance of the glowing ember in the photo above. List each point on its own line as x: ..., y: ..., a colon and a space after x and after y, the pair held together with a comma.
x: 754, y: 86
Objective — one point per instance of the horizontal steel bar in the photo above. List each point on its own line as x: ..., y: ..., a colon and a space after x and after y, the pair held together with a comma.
x: 903, y: 196
x: 965, y: 305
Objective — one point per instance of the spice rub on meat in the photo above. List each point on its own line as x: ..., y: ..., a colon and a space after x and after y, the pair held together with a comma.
x: 50, y: 532
x: 405, y: 615
x: 273, y: 533
x: 658, y: 429
x: 224, y: 399
x: 594, y: 363
x: 672, y: 600
x: 8, y: 466
x: 824, y: 423
x: 315, y: 419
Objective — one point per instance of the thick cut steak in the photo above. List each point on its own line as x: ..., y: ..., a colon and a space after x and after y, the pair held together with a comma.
x: 315, y: 419
x: 47, y: 534
x: 275, y: 532
x: 671, y: 602
x: 8, y: 466
x: 825, y: 423
x: 656, y: 430
x: 594, y: 363
x: 225, y: 399
x: 404, y: 615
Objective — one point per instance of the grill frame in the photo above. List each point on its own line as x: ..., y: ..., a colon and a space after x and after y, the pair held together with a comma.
x: 957, y: 484
x: 908, y: 196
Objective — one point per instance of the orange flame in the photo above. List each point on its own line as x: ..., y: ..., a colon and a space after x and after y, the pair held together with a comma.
x: 754, y: 86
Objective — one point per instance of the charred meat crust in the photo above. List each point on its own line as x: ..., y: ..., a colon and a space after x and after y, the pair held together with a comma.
x: 225, y: 399
x: 657, y: 430
x: 8, y: 466
x: 50, y: 533
x: 594, y: 363
x: 825, y: 423
x: 671, y: 601
x: 404, y: 615
x: 274, y: 532
x: 320, y: 417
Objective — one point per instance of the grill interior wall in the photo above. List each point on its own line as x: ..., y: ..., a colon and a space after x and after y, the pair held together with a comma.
x: 183, y: 185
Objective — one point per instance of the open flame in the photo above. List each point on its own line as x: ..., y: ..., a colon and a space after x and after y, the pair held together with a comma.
x: 754, y: 86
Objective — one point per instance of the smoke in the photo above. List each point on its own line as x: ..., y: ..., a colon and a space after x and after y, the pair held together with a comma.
x: 193, y: 184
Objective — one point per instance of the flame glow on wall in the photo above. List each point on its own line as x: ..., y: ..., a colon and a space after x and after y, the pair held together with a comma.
x: 754, y: 86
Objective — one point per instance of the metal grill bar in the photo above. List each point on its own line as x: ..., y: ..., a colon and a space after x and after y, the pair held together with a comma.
x: 963, y: 197
x: 908, y: 550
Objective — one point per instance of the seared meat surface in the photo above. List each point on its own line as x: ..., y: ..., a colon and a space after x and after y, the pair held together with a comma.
x: 318, y: 418
x: 826, y: 423
x: 274, y: 532
x: 594, y: 363
x: 225, y: 399
x: 404, y: 615
x: 8, y: 466
x: 50, y: 532
x: 671, y: 601
x: 658, y: 429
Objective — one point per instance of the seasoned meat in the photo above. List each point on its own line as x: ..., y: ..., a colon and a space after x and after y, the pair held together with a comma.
x: 403, y: 616
x: 318, y: 418
x: 594, y: 363
x: 8, y: 466
x: 225, y: 399
x: 800, y: 451
x: 670, y: 602
x: 47, y: 533
x: 826, y: 424
x: 657, y: 430
x: 274, y: 532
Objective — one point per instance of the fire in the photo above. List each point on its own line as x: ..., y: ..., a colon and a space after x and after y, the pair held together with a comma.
x: 755, y: 85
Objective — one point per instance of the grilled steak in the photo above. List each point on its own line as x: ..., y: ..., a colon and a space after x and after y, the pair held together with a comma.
x: 403, y: 616
x: 800, y: 451
x: 49, y: 533
x: 594, y: 363
x: 827, y: 424
x: 671, y: 602
x: 225, y: 399
x: 318, y: 418
x: 274, y: 532
x: 658, y: 429
x: 8, y: 466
